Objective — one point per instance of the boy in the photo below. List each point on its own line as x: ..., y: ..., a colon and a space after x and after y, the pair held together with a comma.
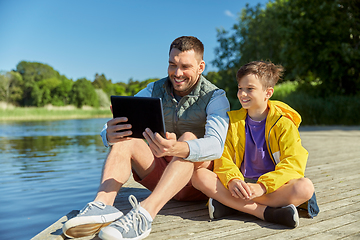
x: 261, y: 171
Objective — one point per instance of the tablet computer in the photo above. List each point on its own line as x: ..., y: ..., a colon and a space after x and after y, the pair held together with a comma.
x: 142, y: 112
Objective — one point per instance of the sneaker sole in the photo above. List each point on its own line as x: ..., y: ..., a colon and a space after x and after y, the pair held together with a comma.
x: 112, y: 234
x: 86, y: 226
x: 296, y: 215
x: 211, y: 209
x: 85, y: 230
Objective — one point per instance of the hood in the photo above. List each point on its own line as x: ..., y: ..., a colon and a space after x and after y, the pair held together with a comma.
x: 286, y: 111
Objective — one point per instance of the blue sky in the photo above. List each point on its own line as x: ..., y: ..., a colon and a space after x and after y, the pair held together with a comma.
x: 122, y: 39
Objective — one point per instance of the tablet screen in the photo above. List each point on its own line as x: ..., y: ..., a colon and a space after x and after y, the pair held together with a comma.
x: 142, y: 113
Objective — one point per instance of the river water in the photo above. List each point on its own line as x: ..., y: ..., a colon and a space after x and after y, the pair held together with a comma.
x: 47, y: 169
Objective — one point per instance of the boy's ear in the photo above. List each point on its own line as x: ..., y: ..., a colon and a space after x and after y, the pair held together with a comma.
x: 269, y: 92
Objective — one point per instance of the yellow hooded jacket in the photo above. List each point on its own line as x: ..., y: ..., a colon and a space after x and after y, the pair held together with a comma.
x: 282, y: 140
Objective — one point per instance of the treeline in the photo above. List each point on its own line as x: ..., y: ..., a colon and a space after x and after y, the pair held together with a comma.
x: 317, y: 42
x: 37, y: 84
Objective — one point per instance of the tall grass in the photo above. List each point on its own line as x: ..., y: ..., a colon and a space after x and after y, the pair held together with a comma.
x: 32, y: 113
x: 332, y: 110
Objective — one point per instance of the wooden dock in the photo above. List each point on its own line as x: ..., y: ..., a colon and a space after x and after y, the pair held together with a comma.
x: 333, y: 166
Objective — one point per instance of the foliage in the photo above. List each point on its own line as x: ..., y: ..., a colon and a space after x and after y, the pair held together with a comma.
x: 315, y: 110
x: 11, y: 87
x: 282, y: 90
x: 104, y: 100
x: 38, y: 84
x: 314, y: 40
x: 226, y: 80
x: 334, y: 110
x: 134, y: 87
x: 83, y: 93
x: 323, y: 39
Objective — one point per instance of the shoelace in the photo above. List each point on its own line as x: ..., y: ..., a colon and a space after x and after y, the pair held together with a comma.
x: 133, y: 218
x: 90, y: 205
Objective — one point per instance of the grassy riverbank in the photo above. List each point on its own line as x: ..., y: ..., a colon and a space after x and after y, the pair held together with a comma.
x: 11, y: 113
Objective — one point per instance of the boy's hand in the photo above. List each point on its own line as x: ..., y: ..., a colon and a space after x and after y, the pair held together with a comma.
x: 240, y: 189
x: 257, y: 190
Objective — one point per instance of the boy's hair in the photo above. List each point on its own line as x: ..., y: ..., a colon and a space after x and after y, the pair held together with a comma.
x: 188, y: 43
x: 267, y: 72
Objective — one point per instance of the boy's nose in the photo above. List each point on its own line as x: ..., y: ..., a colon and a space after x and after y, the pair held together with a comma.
x: 242, y: 93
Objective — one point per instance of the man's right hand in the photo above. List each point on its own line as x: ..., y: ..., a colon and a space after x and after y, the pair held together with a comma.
x: 114, y: 126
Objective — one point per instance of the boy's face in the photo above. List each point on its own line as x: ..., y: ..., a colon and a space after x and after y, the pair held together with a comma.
x: 251, y: 94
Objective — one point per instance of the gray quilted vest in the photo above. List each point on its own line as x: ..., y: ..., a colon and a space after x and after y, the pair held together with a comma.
x: 189, y: 114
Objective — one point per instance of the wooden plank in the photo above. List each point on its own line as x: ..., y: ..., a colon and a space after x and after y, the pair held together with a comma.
x: 341, y: 232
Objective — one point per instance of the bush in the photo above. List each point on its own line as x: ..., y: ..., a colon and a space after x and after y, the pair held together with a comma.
x: 315, y: 110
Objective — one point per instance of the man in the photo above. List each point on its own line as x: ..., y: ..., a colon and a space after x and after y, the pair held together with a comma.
x: 196, y: 121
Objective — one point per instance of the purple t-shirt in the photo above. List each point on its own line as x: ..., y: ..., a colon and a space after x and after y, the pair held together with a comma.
x: 257, y: 160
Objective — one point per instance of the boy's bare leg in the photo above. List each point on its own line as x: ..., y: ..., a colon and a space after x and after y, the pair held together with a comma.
x: 208, y: 182
x: 176, y: 175
x: 294, y: 192
x: 123, y: 156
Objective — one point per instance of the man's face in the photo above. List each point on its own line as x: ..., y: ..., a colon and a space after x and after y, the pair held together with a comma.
x: 184, y: 70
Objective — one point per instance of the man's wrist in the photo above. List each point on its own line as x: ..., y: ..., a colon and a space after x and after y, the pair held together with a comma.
x: 109, y: 143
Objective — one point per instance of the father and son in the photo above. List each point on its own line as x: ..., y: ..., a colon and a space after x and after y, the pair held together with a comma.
x: 249, y: 160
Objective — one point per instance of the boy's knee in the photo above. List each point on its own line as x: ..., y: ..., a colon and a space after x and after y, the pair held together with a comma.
x: 305, y: 187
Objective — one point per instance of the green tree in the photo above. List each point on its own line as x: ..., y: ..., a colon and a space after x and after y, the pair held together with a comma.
x: 61, y: 95
x: 120, y: 89
x: 11, y: 87
x: 104, y: 100
x: 134, y: 87
x: 316, y: 41
x: 47, y: 87
x: 101, y: 82
x: 83, y: 93
x: 322, y: 40
x: 32, y: 73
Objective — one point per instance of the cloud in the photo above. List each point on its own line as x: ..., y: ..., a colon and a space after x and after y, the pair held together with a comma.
x: 229, y: 14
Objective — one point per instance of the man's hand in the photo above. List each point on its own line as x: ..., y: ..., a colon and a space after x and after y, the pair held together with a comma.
x: 246, y: 191
x: 160, y: 146
x: 113, y: 126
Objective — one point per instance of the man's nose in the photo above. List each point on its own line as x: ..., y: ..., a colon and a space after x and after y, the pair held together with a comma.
x: 178, y: 72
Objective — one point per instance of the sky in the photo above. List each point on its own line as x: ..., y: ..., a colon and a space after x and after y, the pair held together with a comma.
x: 120, y: 39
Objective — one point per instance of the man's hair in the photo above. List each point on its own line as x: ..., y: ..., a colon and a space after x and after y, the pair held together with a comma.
x: 267, y: 72
x: 188, y: 43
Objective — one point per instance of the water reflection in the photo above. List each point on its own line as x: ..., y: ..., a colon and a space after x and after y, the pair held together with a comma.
x: 47, y: 169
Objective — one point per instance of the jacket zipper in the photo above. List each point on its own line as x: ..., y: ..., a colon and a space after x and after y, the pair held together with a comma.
x: 271, y: 153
